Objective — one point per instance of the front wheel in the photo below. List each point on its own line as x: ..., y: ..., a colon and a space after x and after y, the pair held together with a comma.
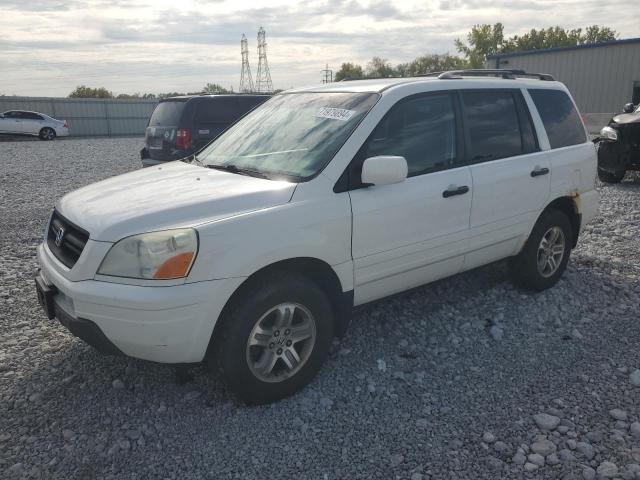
x: 274, y: 338
x: 610, y: 177
x: 546, y: 253
x: 47, y: 133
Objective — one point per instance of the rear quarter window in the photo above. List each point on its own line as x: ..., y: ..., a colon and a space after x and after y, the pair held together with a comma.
x: 559, y: 117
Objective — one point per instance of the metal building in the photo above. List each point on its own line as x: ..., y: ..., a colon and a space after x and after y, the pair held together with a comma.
x: 602, y: 77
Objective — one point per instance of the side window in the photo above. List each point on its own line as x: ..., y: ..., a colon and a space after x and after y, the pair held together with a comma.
x: 222, y: 110
x: 559, y: 117
x: 9, y: 114
x: 493, y: 127
x: 420, y: 129
x: 31, y: 116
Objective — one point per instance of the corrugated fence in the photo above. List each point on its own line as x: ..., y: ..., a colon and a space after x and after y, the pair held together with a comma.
x: 88, y: 116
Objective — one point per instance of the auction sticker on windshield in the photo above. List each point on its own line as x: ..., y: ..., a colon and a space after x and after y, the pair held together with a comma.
x: 335, y: 113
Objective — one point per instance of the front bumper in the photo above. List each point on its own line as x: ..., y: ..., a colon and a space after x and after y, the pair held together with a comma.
x: 169, y: 324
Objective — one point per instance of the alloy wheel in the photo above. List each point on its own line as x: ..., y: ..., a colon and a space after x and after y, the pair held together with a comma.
x: 551, y: 251
x: 281, y: 342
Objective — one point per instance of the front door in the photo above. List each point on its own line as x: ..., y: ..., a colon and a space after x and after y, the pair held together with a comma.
x: 414, y: 232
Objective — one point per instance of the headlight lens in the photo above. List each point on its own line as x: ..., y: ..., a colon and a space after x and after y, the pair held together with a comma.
x: 156, y: 255
x: 608, y: 133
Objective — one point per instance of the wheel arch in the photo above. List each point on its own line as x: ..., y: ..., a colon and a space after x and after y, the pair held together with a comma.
x: 570, y: 207
x: 316, y: 270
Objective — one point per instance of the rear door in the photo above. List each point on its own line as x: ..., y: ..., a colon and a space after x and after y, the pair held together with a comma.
x: 414, y: 232
x: 32, y: 123
x: 160, y: 135
x: 511, y: 175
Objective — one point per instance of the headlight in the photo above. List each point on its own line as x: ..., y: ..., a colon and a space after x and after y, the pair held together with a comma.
x: 608, y: 133
x: 156, y: 255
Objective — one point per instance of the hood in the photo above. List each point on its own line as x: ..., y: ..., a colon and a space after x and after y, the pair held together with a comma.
x: 625, y: 118
x: 173, y: 195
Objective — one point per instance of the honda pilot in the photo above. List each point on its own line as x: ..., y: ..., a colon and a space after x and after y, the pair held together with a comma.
x: 252, y: 254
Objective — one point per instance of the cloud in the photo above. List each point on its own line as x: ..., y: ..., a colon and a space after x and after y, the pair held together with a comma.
x: 49, y: 47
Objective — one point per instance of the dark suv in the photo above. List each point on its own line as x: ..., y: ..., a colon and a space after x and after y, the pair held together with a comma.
x: 180, y: 126
x: 619, y: 145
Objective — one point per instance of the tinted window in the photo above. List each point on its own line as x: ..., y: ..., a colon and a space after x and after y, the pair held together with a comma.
x: 9, y: 114
x: 422, y: 130
x: 217, y: 110
x: 559, y: 116
x: 31, y: 116
x: 167, y: 114
x: 492, y: 124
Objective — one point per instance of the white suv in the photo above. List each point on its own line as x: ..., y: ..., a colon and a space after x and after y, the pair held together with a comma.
x: 253, y: 253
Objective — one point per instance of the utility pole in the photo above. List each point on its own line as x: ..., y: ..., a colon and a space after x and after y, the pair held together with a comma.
x: 327, y: 74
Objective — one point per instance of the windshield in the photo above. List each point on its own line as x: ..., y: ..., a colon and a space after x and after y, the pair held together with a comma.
x: 293, y: 135
x: 166, y: 114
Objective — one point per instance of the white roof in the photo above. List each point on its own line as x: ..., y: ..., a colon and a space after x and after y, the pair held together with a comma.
x: 383, y: 84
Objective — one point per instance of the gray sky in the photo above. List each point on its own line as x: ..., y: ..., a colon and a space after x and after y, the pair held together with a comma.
x: 48, y: 47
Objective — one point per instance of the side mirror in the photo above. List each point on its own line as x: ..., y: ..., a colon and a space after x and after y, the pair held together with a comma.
x: 384, y: 170
x: 628, y: 108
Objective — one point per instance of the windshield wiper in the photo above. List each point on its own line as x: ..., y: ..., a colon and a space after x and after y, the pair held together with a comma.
x: 239, y: 171
x: 193, y: 158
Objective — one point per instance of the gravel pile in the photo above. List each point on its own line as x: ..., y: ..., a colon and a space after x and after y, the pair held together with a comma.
x: 467, y: 378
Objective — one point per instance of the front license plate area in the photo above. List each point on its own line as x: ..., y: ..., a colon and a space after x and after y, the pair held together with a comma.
x: 45, y: 295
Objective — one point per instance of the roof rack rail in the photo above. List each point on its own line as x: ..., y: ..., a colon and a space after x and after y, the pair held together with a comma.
x: 488, y: 72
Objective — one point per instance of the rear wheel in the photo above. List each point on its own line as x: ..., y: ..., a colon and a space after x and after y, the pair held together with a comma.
x: 275, y: 337
x: 47, y: 133
x: 610, y: 177
x: 546, y: 253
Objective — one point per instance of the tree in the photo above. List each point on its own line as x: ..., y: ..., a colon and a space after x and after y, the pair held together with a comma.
x: 83, y: 91
x: 349, y: 70
x: 430, y: 63
x: 214, y: 88
x: 598, y: 34
x: 380, y: 68
x: 485, y: 40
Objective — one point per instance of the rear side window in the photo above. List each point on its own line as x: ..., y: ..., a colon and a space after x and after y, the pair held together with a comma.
x: 494, y: 125
x: 167, y: 114
x: 223, y: 110
x: 422, y: 130
x: 31, y: 116
x: 559, y: 116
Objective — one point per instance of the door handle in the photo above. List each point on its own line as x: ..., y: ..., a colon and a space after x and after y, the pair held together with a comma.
x: 536, y: 172
x: 451, y: 191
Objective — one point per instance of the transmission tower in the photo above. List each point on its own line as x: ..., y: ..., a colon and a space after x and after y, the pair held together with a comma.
x: 246, y: 81
x: 263, y: 79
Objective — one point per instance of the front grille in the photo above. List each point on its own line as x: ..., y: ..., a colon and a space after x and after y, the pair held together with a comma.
x: 66, y: 240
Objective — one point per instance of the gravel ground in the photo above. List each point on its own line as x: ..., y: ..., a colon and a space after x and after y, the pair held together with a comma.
x: 467, y: 378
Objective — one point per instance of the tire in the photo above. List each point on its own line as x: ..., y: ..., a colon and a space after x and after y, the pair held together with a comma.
x: 532, y: 267
x: 47, y: 133
x: 260, y: 313
x: 609, y: 177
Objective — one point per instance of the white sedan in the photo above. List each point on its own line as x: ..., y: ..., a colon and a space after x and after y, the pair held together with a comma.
x: 18, y: 122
